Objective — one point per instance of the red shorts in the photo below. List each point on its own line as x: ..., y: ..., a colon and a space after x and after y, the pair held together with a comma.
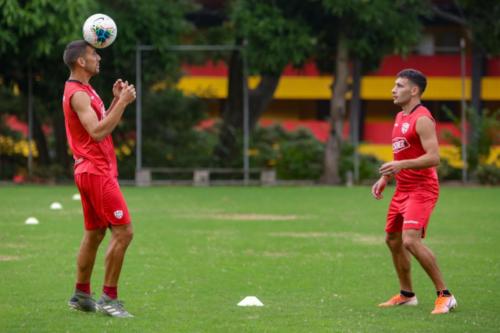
x: 102, y: 201
x: 410, y: 210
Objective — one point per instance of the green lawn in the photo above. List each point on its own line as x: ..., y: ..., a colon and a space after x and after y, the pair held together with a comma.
x: 315, y: 256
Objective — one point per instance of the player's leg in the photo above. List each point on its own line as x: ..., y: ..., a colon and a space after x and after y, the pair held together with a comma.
x: 87, y: 254
x: 82, y: 298
x: 415, y: 223
x: 400, y: 256
x: 402, y: 263
x: 412, y: 241
x: 116, y: 213
x: 92, y: 238
x: 121, y: 236
x: 401, y: 259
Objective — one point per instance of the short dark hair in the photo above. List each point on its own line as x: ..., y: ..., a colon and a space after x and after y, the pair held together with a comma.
x: 416, y: 77
x: 73, y: 51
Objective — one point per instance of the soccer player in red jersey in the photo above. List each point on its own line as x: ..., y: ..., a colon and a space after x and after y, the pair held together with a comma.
x: 416, y: 156
x: 88, y: 129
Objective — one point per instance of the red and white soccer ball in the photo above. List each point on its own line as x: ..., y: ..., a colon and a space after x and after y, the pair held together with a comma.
x: 100, y: 31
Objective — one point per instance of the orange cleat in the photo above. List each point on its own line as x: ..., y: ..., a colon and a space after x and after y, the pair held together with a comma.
x: 444, y: 304
x: 399, y: 300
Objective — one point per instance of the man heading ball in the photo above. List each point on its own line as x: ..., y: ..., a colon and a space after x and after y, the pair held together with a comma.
x: 88, y: 129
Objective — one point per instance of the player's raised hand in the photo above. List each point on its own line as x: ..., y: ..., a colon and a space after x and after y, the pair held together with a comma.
x: 117, y: 88
x: 128, y: 94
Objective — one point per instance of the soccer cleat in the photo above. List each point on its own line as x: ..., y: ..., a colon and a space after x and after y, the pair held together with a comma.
x: 399, y: 300
x: 82, y: 301
x: 112, y: 307
x: 444, y: 304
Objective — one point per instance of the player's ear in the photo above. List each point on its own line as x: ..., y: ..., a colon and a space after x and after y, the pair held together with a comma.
x: 415, y: 90
x: 80, y: 61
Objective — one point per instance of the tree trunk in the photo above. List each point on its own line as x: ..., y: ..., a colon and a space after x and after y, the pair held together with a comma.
x: 232, y: 114
x: 227, y: 151
x: 337, y: 112
x: 261, y: 97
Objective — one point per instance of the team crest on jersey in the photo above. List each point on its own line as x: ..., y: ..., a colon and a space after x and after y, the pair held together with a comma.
x: 399, y: 144
x: 405, y: 127
x: 118, y: 214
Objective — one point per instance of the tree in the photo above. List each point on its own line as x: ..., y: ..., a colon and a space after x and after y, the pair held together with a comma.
x: 482, y: 28
x: 365, y: 31
x: 274, y: 35
x: 334, y: 32
x: 33, y: 35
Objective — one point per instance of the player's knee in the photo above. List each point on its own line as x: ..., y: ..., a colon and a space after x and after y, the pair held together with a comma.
x: 130, y: 236
x: 394, y: 243
x: 410, y: 243
x: 125, y: 236
x: 100, y: 236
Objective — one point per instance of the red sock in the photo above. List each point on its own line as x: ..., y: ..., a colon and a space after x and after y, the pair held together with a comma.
x: 83, y: 287
x: 111, y: 292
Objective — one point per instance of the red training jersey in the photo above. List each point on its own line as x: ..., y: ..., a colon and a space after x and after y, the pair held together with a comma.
x: 406, y: 145
x: 91, y: 156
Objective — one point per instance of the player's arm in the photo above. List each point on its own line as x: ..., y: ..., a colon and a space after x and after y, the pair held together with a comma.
x: 426, y: 130
x: 99, y: 129
x: 117, y: 88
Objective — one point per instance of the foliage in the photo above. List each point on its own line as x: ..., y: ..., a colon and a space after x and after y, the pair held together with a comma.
x: 275, y: 32
x: 294, y: 155
x: 169, y: 134
x: 33, y: 35
x: 448, y: 172
x: 146, y: 23
x: 368, y: 164
x: 31, y: 31
x: 489, y: 174
x: 486, y: 129
x: 373, y: 28
x: 301, y: 158
x: 483, y: 22
x: 299, y: 155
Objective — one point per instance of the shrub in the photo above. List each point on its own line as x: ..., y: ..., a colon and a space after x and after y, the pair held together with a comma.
x: 484, y: 129
x: 300, y: 158
x: 488, y: 174
x: 448, y: 172
x: 368, y: 164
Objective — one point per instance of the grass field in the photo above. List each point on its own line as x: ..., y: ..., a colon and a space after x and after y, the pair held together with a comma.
x: 315, y: 256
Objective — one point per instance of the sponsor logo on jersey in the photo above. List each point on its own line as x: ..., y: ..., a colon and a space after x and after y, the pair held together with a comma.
x: 399, y: 144
x: 405, y: 127
x: 118, y: 214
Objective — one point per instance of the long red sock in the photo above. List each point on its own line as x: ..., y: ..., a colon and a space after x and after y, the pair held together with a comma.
x: 111, y: 292
x: 83, y: 287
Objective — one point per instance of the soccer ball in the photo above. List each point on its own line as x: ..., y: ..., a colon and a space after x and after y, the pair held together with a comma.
x: 100, y: 31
